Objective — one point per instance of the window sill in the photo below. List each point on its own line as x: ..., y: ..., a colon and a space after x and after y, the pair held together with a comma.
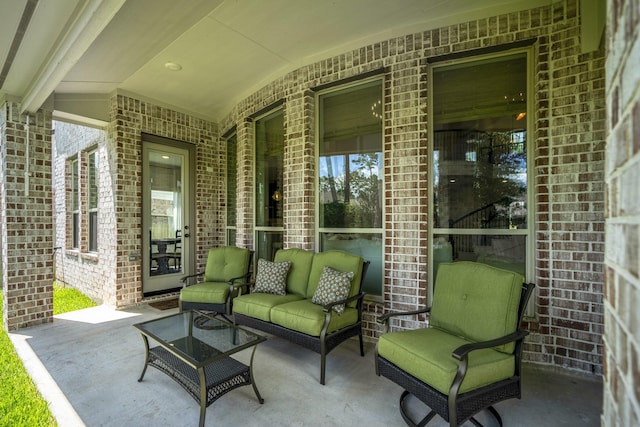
x: 72, y: 253
x: 90, y: 256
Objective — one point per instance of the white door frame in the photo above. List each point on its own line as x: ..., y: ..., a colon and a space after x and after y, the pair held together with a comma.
x: 183, y: 154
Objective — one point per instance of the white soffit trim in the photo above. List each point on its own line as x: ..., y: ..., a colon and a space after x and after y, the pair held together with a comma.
x: 89, y: 23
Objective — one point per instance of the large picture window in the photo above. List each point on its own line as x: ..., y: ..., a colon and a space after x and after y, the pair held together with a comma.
x: 350, y: 202
x: 480, y: 168
x: 232, y: 170
x: 93, y: 201
x: 75, y: 203
x: 269, y: 134
x: 83, y: 195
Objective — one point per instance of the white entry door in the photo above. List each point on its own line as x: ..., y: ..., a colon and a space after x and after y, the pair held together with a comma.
x: 165, y: 213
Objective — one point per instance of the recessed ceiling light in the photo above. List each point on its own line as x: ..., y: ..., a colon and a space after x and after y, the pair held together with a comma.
x: 173, y: 66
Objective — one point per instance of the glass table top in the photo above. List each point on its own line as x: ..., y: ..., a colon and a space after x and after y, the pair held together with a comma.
x: 197, y: 337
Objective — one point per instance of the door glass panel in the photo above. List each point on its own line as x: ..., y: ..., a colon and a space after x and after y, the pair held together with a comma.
x: 166, y: 213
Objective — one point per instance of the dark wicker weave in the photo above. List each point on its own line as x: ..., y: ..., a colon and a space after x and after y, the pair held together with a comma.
x: 323, y: 343
x: 222, y: 376
x: 192, y: 358
x: 458, y: 408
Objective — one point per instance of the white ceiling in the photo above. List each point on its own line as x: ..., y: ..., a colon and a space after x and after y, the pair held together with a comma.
x: 84, y: 50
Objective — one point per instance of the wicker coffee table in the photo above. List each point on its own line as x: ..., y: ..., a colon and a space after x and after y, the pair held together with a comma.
x: 194, y: 349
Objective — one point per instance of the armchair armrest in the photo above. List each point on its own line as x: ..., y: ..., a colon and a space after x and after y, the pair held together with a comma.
x: 385, y: 317
x: 327, y: 307
x: 184, y: 279
x: 462, y: 351
x: 328, y: 312
x: 242, y: 287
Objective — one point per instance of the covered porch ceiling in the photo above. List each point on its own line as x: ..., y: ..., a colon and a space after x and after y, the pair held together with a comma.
x: 72, y: 55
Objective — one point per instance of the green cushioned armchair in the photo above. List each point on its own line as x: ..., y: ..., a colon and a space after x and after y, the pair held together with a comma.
x: 469, y: 356
x: 226, y: 275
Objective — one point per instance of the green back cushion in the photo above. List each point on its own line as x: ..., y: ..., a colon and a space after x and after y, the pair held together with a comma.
x: 338, y: 260
x: 476, y: 301
x: 225, y: 263
x: 298, y: 276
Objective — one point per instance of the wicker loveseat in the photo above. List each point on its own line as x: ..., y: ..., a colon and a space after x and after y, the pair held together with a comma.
x: 292, y: 312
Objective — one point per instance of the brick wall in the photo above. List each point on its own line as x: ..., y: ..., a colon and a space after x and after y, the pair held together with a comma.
x: 84, y: 270
x: 568, y: 168
x: 569, y: 176
x: 26, y: 217
x: 130, y: 117
x: 622, y: 291
x: 109, y: 275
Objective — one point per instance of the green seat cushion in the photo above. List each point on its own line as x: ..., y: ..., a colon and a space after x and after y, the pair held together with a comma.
x: 206, y: 292
x: 298, y: 275
x: 225, y: 263
x: 338, y: 260
x: 476, y: 301
x: 307, y: 317
x: 426, y: 354
x: 259, y: 305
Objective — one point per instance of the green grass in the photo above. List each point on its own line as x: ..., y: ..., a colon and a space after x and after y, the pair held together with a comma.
x: 69, y: 299
x: 20, y: 402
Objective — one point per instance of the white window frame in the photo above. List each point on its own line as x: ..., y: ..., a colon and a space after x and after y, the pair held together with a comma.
x: 92, y: 211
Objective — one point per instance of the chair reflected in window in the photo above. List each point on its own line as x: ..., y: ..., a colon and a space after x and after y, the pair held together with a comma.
x: 165, y: 254
x: 175, y: 256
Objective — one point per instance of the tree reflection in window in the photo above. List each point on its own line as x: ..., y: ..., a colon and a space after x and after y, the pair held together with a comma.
x: 350, y: 191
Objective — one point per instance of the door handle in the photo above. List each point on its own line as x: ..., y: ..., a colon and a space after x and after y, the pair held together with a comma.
x: 187, y: 235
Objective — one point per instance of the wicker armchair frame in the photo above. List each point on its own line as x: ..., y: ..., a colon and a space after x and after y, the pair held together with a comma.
x: 453, y: 407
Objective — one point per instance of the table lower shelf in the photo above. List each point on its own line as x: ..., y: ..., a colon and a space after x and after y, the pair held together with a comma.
x: 222, y: 376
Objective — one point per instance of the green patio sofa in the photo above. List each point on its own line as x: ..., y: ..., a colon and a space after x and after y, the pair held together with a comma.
x: 290, y: 311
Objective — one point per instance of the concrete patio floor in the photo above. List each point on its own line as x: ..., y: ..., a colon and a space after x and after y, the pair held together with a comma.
x: 86, y: 364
